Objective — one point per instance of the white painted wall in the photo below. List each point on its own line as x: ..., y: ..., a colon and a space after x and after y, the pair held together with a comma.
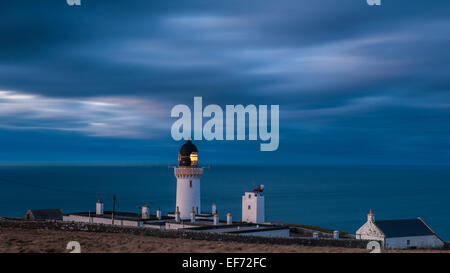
x: 428, y: 241
x: 170, y: 225
x: 158, y: 214
x: 269, y: 233
x: 229, y: 219
x: 100, y: 220
x: 145, y: 212
x: 252, y: 208
x: 188, y: 192
x: 99, y: 208
x: 153, y: 226
x: 369, y: 231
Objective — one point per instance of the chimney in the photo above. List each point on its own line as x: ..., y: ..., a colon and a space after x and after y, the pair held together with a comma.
x: 216, y: 219
x: 99, y: 207
x: 158, y: 213
x: 213, y: 209
x: 193, y: 215
x: 336, y: 234
x: 229, y: 219
x: 145, y: 211
x: 177, y: 215
x: 371, y: 216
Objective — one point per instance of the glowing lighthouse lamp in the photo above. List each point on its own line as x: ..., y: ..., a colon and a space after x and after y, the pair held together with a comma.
x: 188, y: 175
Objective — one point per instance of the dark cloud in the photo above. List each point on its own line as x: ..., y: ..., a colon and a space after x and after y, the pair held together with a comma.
x: 354, y: 83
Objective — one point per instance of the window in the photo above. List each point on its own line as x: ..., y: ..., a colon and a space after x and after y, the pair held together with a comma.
x: 194, y: 158
x: 190, y: 184
x: 407, y: 242
x: 249, y: 196
x: 249, y: 207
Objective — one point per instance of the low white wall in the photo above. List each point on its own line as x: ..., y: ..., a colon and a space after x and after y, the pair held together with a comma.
x: 268, y: 233
x: 76, y: 218
x: 177, y: 226
x: 150, y: 225
x: 101, y: 220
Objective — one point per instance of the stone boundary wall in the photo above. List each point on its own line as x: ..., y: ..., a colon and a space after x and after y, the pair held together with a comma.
x: 183, y: 234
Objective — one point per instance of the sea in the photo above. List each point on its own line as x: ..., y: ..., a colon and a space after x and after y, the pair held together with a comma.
x: 334, y: 197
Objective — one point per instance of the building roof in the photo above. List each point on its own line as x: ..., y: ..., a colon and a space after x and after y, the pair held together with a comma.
x: 47, y: 214
x: 185, y: 154
x: 403, y: 228
x: 188, y: 148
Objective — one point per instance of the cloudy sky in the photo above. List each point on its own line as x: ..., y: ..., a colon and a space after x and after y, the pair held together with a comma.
x: 95, y: 84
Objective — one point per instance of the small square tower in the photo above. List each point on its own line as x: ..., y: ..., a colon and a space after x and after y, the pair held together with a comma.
x: 253, y: 206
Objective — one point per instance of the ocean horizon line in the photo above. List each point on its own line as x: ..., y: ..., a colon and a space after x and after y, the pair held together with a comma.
x: 209, y: 165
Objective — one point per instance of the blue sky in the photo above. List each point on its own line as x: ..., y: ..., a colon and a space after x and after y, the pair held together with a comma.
x: 355, y: 84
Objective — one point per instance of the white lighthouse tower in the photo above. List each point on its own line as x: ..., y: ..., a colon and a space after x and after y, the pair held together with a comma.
x: 188, y: 176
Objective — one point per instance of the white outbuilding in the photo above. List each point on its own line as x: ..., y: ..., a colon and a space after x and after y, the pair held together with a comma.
x: 399, y: 234
x: 253, y: 206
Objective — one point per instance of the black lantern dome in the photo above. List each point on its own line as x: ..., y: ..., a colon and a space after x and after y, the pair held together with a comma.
x: 188, y: 156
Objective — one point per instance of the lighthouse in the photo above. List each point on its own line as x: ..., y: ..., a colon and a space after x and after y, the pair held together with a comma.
x: 188, y: 176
